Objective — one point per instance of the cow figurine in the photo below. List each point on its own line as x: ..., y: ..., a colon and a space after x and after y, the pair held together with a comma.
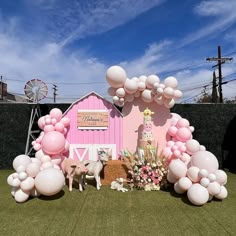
x: 95, y: 167
x: 74, y: 170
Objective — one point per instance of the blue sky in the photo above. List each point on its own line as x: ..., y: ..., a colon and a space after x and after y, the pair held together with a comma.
x: 73, y: 42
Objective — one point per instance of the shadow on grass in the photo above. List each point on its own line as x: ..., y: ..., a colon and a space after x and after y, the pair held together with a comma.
x: 54, y: 197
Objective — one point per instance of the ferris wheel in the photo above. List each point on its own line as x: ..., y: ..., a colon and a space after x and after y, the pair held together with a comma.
x: 36, y: 90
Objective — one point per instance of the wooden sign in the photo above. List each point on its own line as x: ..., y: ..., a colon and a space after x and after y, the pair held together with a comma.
x: 92, y: 119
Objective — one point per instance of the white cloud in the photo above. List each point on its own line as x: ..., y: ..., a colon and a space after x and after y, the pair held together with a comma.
x: 224, y: 17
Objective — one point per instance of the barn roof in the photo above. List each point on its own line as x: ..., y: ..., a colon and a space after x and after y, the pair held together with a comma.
x: 87, y: 95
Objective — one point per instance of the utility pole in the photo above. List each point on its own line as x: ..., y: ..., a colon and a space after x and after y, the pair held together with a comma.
x: 220, y: 60
x: 54, y: 92
x: 1, y: 89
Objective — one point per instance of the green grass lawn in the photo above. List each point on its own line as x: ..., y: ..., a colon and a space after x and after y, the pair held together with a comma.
x: 108, y: 212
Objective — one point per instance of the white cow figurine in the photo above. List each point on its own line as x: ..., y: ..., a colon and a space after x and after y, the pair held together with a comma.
x: 118, y: 185
x: 95, y: 167
x: 74, y: 170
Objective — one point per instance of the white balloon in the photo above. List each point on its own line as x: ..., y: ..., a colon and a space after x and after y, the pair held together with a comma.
x: 22, y: 176
x: 177, y: 94
x: 21, y: 196
x: 16, y: 182
x: 27, y: 184
x: 20, y: 168
x: 151, y: 80
x: 212, y: 177
x: 197, y: 194
x: 147, y: 96
x: 120, y: 92
x: 116, y: 76
x: 130, y: 86
x: 115, y: 99
x: 178, y: 189
x: 203, y: 173
x: 142, y: 78
x: 141, y: 85
x: 169, y: 103
x: 23, y: 160
x: 185, y: 183
x: 205, y: 182
x: 171, y: 82
x: 222, y: 194
x: 168, y: 92
x: 221, y: 177
x: 213, y: 188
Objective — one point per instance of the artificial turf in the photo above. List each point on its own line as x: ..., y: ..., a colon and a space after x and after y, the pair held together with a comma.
x: 108, y: 212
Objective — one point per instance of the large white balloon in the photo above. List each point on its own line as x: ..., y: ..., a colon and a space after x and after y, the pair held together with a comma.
x: 147, y: 95
x: 49, y: 181
x: 120, y: 92
x: 130, y: 86
x: 178, y: 168
x: 171, y: 82
x: 197, y: 194
x: 116, y: 76
x: 205, y: 160
x: 151, y: 80
x: 23, y: 160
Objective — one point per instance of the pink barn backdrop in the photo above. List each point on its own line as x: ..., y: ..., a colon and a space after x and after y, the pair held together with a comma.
x: 84, y: 143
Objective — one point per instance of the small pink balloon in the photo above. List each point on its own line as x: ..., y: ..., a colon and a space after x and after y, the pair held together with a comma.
x: 170, y: 143
x: 167, y: 152
x: 177, y: 153
x: 48, y: 121
x: 183, y: 134
x: 41, y: 122
x: 182, y: 123
x: 59, y: 127
x: 65, y: 121
x: 185, y: 158
x: 37, y: 147
x: 56, y: 113
x: 192, y: 146
x: 48, y: 128
x: 172, y: 131
x: 175, y: 118
x: 53, y: 121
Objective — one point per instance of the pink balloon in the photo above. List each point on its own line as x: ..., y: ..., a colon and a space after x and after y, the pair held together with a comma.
x: 167, y: 152
x: 205, y: 160
x: 53, y: 142
x: 56, y: 113
x: 41, y: 122
x: 223, y: 193
x: 48, y: 128
x: 37, y: 146
x: 172, y: 131
x: 65, y: 121
x: 183, y: 134
x: 170, y: 143
x: 182, y: 123
x: 175, y: 118
x: 59, y: 127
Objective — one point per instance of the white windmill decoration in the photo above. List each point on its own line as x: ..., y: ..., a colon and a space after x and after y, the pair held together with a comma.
x: 35, y: 90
